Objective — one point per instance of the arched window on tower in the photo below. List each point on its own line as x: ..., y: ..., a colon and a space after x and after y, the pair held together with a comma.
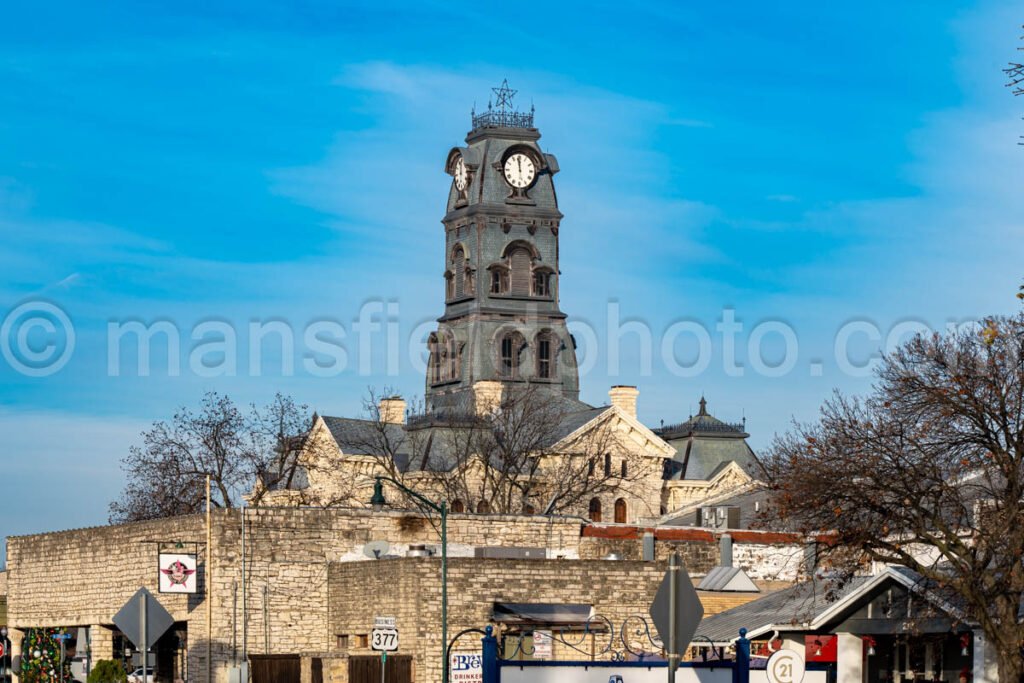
x: 434, y: 370
x: 459, y: 271
x: 499, y: 280
x: 519, y: 265
x: 546, y: 344
x: 510, y: 348
x: 620, y: 511
x: 542, y: 283
x: 595, y: 510
x: 449, y: 285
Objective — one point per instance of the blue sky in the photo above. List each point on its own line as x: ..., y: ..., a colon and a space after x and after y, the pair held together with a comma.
x: 199, y: 162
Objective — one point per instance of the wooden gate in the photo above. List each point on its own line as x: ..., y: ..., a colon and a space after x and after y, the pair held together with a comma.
x: 275, y: 668
x: 366, y: 669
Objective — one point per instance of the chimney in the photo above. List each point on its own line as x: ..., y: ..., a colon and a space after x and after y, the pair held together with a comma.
x: 486, y: 396
x: 624, y: 397
x: 725, y: 551
x: 392, y: 410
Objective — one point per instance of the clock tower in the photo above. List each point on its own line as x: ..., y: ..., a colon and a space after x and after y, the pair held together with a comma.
x: 501, y: 321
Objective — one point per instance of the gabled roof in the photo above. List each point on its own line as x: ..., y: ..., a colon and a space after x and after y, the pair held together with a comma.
x: 815, y: 604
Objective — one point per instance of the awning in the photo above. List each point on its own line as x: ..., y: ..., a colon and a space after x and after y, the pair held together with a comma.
x: 541, y: 613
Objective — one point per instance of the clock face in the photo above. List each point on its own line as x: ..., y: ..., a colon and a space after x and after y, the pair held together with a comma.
x: 519, y: 170
x: 461, y: 175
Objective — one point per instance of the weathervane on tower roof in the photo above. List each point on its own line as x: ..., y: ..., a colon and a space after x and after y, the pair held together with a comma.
x: 502, y: 114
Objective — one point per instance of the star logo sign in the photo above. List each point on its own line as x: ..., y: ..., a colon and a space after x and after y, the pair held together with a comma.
x: 177, y: 573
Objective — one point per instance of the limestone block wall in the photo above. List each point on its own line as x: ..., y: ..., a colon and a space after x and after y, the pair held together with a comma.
x: 410, y: 590
x: 82, y: 577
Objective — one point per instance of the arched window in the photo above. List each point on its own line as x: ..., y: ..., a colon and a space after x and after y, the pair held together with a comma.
x: 519, y: 263
x: 607, y: 464
x: 546, y: 356
x: 620, y: 511
x: 529, y: 509
x: 483, y: 508
x: 499, y: 280
x: 459, y: 271
x: 458, y: 506
x: 542, y: 283
x: 510, y: 348
x: 624, y: 470
x: 449, y: 285
x: 434, y: 372
x: 595, y: 510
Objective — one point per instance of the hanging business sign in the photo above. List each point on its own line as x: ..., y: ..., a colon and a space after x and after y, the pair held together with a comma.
x: 466, y: 667
x: 177, y: 572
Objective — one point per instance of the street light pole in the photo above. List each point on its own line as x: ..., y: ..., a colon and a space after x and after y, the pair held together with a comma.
x: 378, y: 502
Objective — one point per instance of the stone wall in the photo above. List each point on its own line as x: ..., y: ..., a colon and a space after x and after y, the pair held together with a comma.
x: 83, y: 577
x: 410, y: 590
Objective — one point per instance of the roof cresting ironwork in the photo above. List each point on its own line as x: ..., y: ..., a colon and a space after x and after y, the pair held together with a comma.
x: 502, y: 114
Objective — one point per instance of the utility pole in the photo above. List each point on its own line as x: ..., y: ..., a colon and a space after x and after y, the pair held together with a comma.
x: 209, y: 586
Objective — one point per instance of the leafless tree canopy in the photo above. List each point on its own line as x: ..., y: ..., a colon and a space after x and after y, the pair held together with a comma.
x: 927, y: 471
x: 505, y: 461
x: 166, y: 475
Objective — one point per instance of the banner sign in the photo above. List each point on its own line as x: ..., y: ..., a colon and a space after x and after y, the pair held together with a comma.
x: 178, y: 572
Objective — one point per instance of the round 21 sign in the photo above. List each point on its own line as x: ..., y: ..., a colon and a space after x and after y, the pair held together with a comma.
x: 785, y: 666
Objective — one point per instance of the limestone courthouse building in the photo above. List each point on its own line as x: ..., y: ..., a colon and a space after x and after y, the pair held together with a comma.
x: 557, y: 511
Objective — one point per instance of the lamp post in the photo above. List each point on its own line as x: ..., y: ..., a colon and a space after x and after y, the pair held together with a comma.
x: 378, y: 502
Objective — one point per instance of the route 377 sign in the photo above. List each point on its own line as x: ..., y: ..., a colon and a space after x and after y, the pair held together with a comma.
x: 384, y: 639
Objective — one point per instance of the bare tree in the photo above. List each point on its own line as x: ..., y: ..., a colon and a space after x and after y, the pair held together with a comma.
x: 926, y: 472
x: 166, y: 475
x: 510, y: 459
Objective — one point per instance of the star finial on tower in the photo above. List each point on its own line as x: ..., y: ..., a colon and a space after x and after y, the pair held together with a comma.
x: 505, y: 95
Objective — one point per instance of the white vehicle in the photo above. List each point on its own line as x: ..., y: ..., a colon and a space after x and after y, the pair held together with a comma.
x: 137, y: 676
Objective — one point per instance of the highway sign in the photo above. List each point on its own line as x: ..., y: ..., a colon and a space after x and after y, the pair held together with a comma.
x: 129, y: 619
x: 688, y: 610
x: 384, y: 639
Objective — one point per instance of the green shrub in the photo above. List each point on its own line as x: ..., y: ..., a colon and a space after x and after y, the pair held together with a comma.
x: 107, y: 671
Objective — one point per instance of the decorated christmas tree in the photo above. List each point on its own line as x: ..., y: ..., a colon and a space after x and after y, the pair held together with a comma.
x: 40, y: 657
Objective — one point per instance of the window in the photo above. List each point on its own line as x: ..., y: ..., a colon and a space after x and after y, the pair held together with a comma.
x: 458, y: 506
x: 459, y: 272
x: 540, y: 284
x: 508, y: 355
x: 499, y: 281
x: 435, y: 359
x: 483, y: 508
x: 620, y: 511
x: 624, y: 470
x: 595, y: 510
x: 545, y: 357
x: 529, y: 509
x: 519, y: 263
x: 590, y: 468
x: 607, y: 464
x: 343, y: 642
x: 449, y: 285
